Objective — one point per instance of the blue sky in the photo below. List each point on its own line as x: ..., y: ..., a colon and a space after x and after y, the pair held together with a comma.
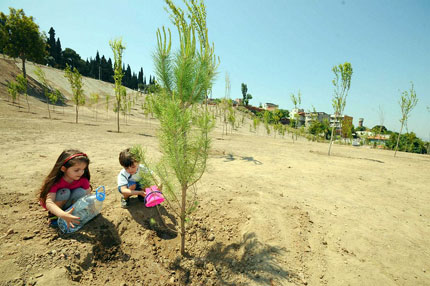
x: 276, y: 47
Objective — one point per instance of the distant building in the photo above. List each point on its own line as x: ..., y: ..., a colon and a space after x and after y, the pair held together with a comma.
x: 297, y: 115
x: 336, y: 121
x: 379, y: 140
x: 311, y: 116
x: 270, y: 106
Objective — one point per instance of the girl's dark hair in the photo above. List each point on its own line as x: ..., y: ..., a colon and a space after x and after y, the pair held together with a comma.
x: 67, y: 158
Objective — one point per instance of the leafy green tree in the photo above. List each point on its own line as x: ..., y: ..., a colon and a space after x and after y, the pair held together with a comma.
x: 347, y: 128
x: 408, y: 101
x: 117, y: 49
x: 75, y: 80
x: 407, y: 142
x: 40, y: 74
x: 341, y: 83
x: 3, y: 33
x: 21, y: 38
x: 244, y: 89
x: 185, y: 79
x: 246, y: 96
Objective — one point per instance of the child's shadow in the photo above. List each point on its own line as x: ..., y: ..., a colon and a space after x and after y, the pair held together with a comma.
x: 154, y: 218
x: 104, y: 238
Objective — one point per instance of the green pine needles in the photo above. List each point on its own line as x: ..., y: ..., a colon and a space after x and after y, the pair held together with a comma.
x: 185, y: 78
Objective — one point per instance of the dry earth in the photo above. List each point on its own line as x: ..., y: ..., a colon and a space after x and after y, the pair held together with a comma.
x: 272, y: 211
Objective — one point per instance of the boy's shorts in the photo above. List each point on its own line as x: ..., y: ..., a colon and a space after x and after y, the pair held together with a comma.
x: 129, y: 184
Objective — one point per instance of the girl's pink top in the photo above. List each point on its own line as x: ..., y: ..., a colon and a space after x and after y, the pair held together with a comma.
x: 62, y: 184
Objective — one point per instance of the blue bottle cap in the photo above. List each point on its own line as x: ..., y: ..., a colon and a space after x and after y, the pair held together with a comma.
x: 100, y: 196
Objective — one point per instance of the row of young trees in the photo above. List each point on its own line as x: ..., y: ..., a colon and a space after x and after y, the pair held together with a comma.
x: 341, y: 82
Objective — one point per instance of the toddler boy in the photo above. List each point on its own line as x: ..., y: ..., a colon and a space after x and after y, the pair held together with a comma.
x: 128, y: 178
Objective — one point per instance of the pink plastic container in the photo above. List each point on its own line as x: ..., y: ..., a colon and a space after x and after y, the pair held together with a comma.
x: 153, y: 196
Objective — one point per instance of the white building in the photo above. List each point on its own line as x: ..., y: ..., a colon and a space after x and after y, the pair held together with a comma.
x: 311, y: 116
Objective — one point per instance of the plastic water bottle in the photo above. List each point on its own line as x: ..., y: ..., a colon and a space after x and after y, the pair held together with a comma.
x: 86, y: 208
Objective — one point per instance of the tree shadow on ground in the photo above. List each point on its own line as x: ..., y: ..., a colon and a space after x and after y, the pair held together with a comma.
x: 146, y: 135
x: 160, y: 221
x: 230, y: 157
x: 249, y: 262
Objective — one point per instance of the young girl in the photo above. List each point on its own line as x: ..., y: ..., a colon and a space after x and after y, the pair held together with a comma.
x: 68, y: 181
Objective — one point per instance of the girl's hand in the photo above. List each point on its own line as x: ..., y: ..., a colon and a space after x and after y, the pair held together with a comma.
x: 70, y: 219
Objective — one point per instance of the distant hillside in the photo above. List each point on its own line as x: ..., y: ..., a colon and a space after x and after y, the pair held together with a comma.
x: 10, y: 68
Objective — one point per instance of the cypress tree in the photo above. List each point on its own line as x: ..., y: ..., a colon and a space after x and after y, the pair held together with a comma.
x: 51, y: 47
x: 128, y: 77
x: 59, y: 59
x: 97, y: 67
x: 110, y: 72
x: 104, y: 69
x: 140, y: 77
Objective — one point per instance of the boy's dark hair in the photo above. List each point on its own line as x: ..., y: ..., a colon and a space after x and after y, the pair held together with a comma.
x: 126, y: 159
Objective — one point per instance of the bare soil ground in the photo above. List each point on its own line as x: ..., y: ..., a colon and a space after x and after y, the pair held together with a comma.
x: 272, y: 211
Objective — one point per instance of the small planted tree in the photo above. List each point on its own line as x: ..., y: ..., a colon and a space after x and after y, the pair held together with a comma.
x: 75, y: 80
x: 231, y: 118
x: 266, y: 120
x: 22, y: 88
x: 12, y: 90
x: 185, y: 78
x: 94, y: 99
x: 107, y: 105
x: 341, y: 83
x: 408, y: 101
x: 53, y: 98
x: 296, y: 100
x: 40, y: 74
x: 226, y: 105
x: 117, y: 49
x: 256, y: 123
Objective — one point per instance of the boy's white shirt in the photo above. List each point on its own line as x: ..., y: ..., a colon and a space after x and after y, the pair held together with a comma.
x: 124, y: 177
